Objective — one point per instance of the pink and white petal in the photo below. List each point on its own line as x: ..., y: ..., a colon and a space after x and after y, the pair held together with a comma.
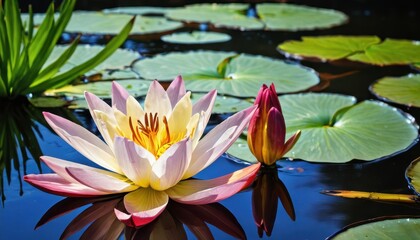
x: 123, y: 128
x: 134, y: 160
x: 143, y: 206
x: 180, y: 117
x: 83, y: 141
x: 176, y: 90
x: 171, y: 165
x: 119, y: 97
x: 101, y: 180
x: 108, y: 126
x: 214, y: 190
x: 157, y: 100
x: 217, y: 141
x: 204, y: 107
x: 55, y: 184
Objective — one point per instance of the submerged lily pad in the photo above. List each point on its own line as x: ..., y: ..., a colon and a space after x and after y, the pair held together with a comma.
x: 242, y: 75
x: 114, y: 67
x: 290, y: 17
x: 413, y: 175
x: 366, y: 49
x: 135, y: 87
x: 231, y: 15
x: 196, y: 37
x: 336, y: 130
x: 403, y: 90
x: 394, y: 228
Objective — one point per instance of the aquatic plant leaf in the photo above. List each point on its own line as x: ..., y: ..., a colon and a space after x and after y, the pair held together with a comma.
x: 243, y: 76
x: 389, y: 52
x: 196, y: 37
x: 366, y: 49
x: 383, y: 228
x: 111, y: 68
x: 226, y: 104
x: 403, y: 90
x: 137, y: 10
x: 367, y: 131
x: 221, y: 15
x: 413, y: 176
x: 91, y: 22
x: 290, y: 17
x: 328, y: 47
x: 135, y: 87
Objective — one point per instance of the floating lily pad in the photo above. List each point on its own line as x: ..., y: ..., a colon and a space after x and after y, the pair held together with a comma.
x: 196, y: 37
x: 290, y: 17
x: 403, y: 90
x: 229, y: 73
x: 366, y: 49
x: 336, y: 130
x: 396, y: 228
x: 137, y: 10
x: 413, y: 175
x: 226, y: 104
x: 135, y: 87
x: 222, y: 15
x: 114, y: 67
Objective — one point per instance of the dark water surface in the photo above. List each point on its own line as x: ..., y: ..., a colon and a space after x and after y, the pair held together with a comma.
x: 317, y: 215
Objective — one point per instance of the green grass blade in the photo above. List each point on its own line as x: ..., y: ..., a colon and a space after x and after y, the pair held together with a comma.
x: 67, y: 77
x: 13, y: 29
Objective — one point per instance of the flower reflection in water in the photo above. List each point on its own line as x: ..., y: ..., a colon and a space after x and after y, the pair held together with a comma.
x: 267, y: 188
x: 100, y: 222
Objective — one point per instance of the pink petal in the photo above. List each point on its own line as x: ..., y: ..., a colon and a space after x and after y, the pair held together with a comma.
x: 176, y: 90
x: 218, y: 140
x: 214, y: 190
x: 204, y: 107
x: 101, y: 180
x: 143, y: 206
x: 55, y: 184
x: 291, y: 142
x: 171, y: 166
x: 83, y: 141
x: 119, y: 97
x: 157, y: 100
x: 134, y: 160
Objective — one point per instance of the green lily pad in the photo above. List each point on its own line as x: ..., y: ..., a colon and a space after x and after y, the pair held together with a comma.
x: 413, y: 175
x: 394, y: 228
x: 231, y: 15
x: 114, y: 67
x: 336, y: 130
x: 226, y: 104
x: 290, y: 17
x: 243, y: 74
x: 100, y: 23
x: 366, y: 49
x: 403, y: 90
x: 47, y: 102
x: 137, y: 10
x: 196, y: 37
x: 135, y: 87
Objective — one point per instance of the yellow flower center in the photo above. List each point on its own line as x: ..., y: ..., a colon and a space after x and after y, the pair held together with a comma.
x: 148, y: 134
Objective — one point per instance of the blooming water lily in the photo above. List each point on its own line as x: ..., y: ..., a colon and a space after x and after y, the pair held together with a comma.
x: 267, y: 129
x: 149, y: 152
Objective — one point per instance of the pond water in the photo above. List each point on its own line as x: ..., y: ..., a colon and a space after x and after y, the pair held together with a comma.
x: 317, y: 216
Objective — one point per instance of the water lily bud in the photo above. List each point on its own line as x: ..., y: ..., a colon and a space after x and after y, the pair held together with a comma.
x: 267, y: 129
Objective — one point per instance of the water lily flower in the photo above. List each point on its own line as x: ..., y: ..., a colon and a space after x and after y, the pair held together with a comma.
x: 151, y: 153
x: 267, y: 129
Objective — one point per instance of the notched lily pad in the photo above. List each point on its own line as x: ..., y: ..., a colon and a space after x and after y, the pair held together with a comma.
x: 196, y: 37
x: 242, y: 77
x: 382, y: 228
x: 366, y: 49
x: 114, y: 67
x: 137, y: 10
x: 290, y: 17
x: 336, y: 130
x: 135, y: 87
x: 403, y: 90
x: 413, y: 176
